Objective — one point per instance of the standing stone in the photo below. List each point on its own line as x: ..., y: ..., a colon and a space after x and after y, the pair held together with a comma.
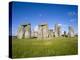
x: 34, y: 34
x: 71, y: 31
x: 50, y: 33
x: 20, y: 32
x: 43, y: 31
x: 27, y: 30
x: 64, y: 33
x: 57, y: 30
x: 24, y: 31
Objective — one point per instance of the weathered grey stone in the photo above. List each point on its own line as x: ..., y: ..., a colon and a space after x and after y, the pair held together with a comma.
x: 71, y: 31
x: 20, y: 32
x: 50, y: 33
x: 43, y: 31
x: 27, y: 31
x: 24, y: 31
x: 64, y: 34
x: 57, y: 30
x: 34, y: 34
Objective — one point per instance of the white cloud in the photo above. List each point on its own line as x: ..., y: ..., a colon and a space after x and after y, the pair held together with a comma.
x: 36, y: 28
x: 59, y: 24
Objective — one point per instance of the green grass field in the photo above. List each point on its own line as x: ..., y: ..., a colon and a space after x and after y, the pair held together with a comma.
x: 23, y: 48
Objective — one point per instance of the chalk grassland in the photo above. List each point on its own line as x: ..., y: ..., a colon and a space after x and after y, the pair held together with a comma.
x: 23, y: 48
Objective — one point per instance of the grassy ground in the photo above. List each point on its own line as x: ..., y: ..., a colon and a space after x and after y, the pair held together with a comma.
x: 22, y: 48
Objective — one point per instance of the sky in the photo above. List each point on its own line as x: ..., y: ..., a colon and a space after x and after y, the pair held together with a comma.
x: 38, y: 13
